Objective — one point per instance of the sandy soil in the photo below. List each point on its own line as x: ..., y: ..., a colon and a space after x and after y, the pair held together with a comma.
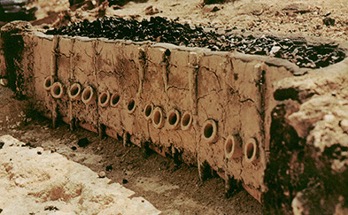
x: 290, y: 17
x: 45, y: 182
x: 170, y: 188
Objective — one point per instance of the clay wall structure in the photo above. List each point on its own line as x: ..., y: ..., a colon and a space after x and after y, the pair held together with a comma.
x: 214, y: 110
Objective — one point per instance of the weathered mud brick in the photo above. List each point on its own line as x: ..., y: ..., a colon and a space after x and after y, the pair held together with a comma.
x: 40, y: 61
x: 63, y: 74
x: 154, y: 98
x: 129, y: 68
x: 109, y: 88
x: 249, y: 83
x: 83, y: 92
x: 181, y: 108
x: 212, y: 110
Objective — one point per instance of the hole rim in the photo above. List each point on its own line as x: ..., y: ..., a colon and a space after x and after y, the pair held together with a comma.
x: 57, y: 86
x: 90, y: 94
x: 147, y: 108
x: 74, y: 86
x: 160, y: 123
x: 186, y: 124
x: 112, y: 99
x: 104, y: 99
x: 50, y: 80
x: 229, y: 146
x: 177, y: 116
x: 131, y: 103
x: 250, y: 157
x: 210, y: 124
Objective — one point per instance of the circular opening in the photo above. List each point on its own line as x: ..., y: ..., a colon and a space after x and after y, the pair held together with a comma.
x: 74, y: 90
x: 87, y: 95
x: 104, y: 99
x: 250, y: 150
x: 229, y: 145
x: 57, y: 90
x: 48, y: 82
x: 173, y: 118
x: 186, y: 121
x: 210, y: 130
x: 148, y: 111
x: 131, y: 106
x: 157, y: 117
x: 115, y: 99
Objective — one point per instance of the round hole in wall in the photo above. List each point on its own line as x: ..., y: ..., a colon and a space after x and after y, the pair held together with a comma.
x: 104, y: 99
x: 48, y: 82
x: 87, y: 95
x: 186, y: 121
x: 148, y: 111
x: 131, y: 105
x: 74, y: 90
x: 173, y: 118
x: 250, y: 150
x: 157, y: 117
x: 210, y: 131
x: 115, y: 99
x: 57, y: 90
x: 229, y: 146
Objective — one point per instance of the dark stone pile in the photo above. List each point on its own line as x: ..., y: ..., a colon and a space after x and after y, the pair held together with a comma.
x: 160, y: 29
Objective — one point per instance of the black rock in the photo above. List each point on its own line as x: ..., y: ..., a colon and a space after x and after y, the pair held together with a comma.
x: 124, y: 181
x: 108, y: 167
x: 83, y: 142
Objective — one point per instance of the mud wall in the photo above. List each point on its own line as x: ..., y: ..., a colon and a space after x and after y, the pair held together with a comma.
x: 210, y: 109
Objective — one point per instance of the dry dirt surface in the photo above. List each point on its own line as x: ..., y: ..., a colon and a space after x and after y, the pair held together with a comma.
x: 315, y: 18
x: 45, y: 182
x: 171, y: 188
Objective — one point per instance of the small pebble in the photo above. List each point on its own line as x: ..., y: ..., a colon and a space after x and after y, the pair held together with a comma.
x: 344, y: 125
x: 102, y: 174
x: 108, y: 168
x: 83, y: 142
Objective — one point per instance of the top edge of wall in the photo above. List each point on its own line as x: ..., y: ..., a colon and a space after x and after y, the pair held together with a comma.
x: 270, y: 61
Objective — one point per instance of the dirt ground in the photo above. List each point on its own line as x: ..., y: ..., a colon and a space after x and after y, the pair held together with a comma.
x: 315, y: 18
x: 170, y: 188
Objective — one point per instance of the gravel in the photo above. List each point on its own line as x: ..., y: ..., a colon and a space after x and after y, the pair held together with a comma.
x: 159, y: 29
